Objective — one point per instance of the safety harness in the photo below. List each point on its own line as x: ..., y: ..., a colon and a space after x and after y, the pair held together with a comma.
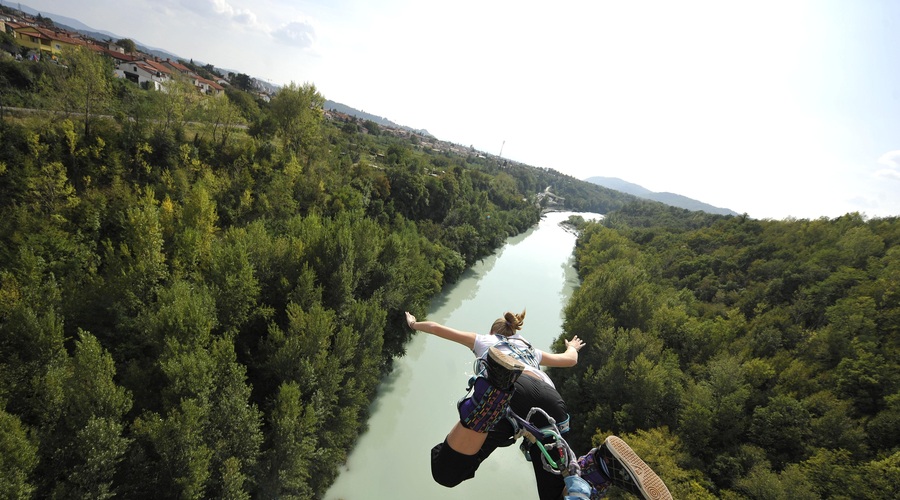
x: 557, y: 456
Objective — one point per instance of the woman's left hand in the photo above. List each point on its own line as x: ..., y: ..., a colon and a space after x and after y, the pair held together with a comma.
x: 576, y: 342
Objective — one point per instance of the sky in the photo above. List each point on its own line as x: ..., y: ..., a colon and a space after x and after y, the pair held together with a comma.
x: 777, y: 109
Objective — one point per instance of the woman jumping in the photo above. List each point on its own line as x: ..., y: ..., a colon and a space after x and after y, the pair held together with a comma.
x: 498, y: 389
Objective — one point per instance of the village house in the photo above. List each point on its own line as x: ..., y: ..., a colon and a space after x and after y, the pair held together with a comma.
x: 143, y: 73
x: 159, y: 67
x: 44, y: 41
x: 118, y: 57
x: 111, y: 46
x: 209, y: 87
x: 177, y: 66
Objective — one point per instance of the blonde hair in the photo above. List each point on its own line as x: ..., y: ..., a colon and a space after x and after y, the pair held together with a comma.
x: 509, y: 324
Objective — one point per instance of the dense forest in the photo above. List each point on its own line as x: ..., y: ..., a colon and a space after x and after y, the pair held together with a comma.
x: 199, y: 295
x: 742, y: 358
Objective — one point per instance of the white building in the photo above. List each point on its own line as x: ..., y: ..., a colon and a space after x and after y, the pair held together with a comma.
x: 141, y: 73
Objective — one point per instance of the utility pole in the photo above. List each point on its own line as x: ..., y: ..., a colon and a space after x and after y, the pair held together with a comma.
x: 501, y: 149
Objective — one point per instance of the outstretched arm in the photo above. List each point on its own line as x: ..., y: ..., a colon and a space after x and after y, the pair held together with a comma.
x: 445, y: 332
x: 566, y: 359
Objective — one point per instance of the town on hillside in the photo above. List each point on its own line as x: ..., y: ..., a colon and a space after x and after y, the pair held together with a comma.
x: 39, y: 38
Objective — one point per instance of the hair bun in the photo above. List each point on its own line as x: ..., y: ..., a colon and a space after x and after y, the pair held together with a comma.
x: 508, y: 324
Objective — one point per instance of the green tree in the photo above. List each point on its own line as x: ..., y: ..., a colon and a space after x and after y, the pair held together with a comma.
x: 18, y: 458
x: 222, y: 117
x: 195, y: 228
x: 409, y: 192
x: 233, y: 283
x: 761, y: 482
x: 127, y: 45
x: 234, y: 433
x: 242, y: 81
x: 884, y: 428
x: 136, y: 263
x: 32, y: 343
x: 864, y: 376
x: 244, y: 101
x: 88, y: 87
x: 291, y: 446
x: 714, y: 417
x: 781, y: 428
x: 175, y: 104
x: 831, y: 424
x: 297, y: 112
x: 98, y: 449
x: 182, y: 469
x: 89, y: 436
x: 233, y: 481
x: 44, y: 21
x: 858, y: 244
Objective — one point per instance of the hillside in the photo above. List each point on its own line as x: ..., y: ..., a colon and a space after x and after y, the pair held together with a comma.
x: 384, y: 122
x: 672, y: 199
x: 741, y: 358
x: 75, y: 25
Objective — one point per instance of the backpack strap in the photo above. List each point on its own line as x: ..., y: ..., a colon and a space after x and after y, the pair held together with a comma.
x: 524, y: 354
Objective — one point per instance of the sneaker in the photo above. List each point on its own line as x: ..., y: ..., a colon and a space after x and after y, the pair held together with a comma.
x: 629, y: 472
x: 502, y: 369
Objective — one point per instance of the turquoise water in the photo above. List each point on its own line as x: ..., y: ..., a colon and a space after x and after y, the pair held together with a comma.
x: 417, y: 407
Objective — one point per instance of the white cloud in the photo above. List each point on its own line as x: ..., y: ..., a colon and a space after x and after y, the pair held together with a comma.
x: 204, y: 7
x: 246, y: 18
x: 886, y: 173
x: 890, y: 159
x: 222, y: 7
x: 296, y: 33
x: 224, y: 10
x: 299, y: 33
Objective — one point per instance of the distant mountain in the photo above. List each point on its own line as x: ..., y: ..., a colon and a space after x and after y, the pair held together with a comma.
x: 347, y: 110
x: 675, y: 200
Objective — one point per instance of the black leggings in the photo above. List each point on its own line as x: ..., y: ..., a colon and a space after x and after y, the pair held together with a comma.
x: 449, y: 467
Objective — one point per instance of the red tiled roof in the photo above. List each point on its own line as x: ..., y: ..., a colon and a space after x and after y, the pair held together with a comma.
x: 211, y: 83
x: 48, y: 34
x: 157, y: 66
x: 178, y: 66
x: 118, y: 55
x: 64, y: 37
x: 31, y: 31
x: 144, y: 66
x: 153, y: 69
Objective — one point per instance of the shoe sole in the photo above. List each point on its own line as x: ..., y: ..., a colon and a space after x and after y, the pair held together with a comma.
x: 505, y: 360
x: 651, y: 486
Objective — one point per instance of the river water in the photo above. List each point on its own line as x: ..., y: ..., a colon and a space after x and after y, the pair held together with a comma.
x: 416, y: 406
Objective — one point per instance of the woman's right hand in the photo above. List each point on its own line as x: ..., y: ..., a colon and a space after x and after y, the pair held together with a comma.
x: 410, y: 320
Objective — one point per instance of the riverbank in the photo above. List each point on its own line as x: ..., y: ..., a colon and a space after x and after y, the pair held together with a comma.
x: 416, y: 406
